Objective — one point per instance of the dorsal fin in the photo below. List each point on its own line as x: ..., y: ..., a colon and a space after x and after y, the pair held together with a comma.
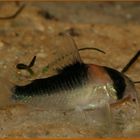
x: 64, y: 51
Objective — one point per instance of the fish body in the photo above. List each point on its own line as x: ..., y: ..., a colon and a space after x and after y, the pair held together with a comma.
x: 76, y: 84
x: 79, y: 85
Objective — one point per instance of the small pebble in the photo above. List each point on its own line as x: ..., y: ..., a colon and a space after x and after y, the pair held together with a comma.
x: 41, y: 55
x: 40, y: 27
x: 128, y: 16
x: 50, y: 29
x: 118, y: 7
x: 1, y: 45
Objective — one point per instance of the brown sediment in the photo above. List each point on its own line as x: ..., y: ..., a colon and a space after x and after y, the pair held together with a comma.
x: 116, y: 33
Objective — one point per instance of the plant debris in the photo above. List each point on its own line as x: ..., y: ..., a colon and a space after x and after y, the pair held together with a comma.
x: 47, y: 15
x: 15, y: 14
x: 22, y: 66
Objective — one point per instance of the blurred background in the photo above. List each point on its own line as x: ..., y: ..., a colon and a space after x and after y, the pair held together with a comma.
x: 94, y: 12
x: 29, y: 29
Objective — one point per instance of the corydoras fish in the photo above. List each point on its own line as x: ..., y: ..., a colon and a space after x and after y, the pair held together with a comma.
x: 77, y: 85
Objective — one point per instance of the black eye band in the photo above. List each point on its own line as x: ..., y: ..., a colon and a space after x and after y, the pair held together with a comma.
x: 118, y: 81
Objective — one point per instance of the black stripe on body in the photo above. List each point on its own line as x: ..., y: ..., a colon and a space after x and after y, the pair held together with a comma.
x: 118, y: 81
x: 70, y: 77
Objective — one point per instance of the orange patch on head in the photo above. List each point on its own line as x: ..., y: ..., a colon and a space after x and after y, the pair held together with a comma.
x: 98, y: 74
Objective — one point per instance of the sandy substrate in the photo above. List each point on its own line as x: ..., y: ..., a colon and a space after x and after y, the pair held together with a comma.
x: 31, y: 34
